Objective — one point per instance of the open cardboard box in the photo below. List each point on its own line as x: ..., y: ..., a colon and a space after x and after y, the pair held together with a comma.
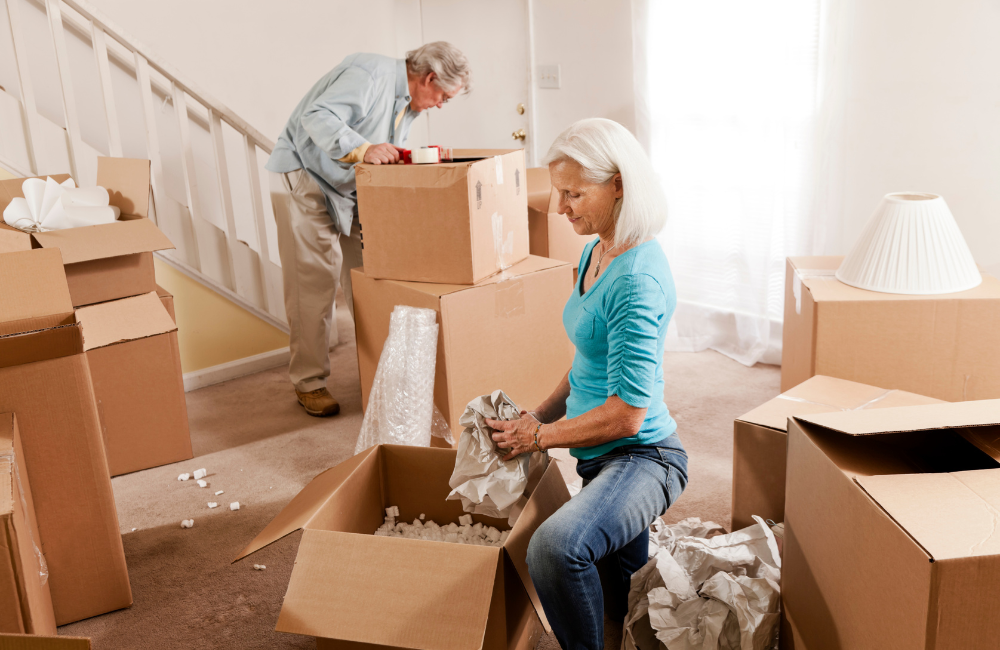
x: 944, y: 346
x: 108, y: 261
x: 25, y: 601
x: 32, y: 642
x: 550, y: 233
x: 760, y: 439
x: 891, y: 536
x: 45, y: 380
x: 351, y: 589
x: 135, y: 366
x: 505, y: 331
x: 454, y: 223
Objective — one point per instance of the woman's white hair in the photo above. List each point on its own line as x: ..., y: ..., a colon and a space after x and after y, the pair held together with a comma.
x: 443, y: 59
x: 605, y: 148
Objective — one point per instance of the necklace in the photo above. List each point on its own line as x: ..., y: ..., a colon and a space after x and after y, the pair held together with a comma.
x: 597, y: 271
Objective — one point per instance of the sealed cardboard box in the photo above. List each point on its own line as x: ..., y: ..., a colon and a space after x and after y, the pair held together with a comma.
x: 25, y: 602
x: 31, y: 642
x: 108, y: 261
x: 505, y: 331
x: 891, y: 537
x: 760, y: 439
x: 943, y: 346
x: 135, y: 366
x: 45, y: 380
x: 550, y: 233
x: 455, y: 223
x: 350, y: 588
x: 167, y: 299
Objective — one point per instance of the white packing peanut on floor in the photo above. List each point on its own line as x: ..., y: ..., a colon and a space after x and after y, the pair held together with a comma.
x: 187, y: 523
x: 200, y: 473
x: 213, y: 504
x: 183, y: 477
x: 700, y: 593
x: 235, y: 505
x: 401, y: 407
x: 486, y: 484
x: 202, y: 483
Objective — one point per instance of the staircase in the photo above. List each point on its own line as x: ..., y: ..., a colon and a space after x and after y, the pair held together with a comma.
x: 207, y: 163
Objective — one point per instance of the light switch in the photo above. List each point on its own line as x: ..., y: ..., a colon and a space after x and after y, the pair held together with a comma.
x: 548, y: 76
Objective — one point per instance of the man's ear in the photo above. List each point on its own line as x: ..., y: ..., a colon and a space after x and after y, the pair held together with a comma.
x: 430, y: 78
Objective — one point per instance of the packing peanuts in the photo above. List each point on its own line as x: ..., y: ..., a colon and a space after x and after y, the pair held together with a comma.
x: 45, y: 381
x: 891, y: 537
x: 135, y: 365
x: 550, y: 233
x: 108, y: 261
x: 942, y: 346
x: 505, y: 331
x: 26, y: 642
x: 455, y: 223
x: 759, y: 439
x: 406, y: 593
x: 25, y: 602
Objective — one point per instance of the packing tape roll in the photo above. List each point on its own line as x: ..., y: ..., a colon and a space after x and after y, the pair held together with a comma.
x: 425, y: 155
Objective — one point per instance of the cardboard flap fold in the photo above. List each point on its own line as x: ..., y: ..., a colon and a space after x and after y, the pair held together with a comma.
x: 123, y: 237
x: 949, y: 515
x: 307, y: 503
x: 33, y: 292
x: 127, y: 183
x: 390, y: 592
x: 549, y: 495
x: 124, y: 320
x: 54, y: 343
x: 944, y: 415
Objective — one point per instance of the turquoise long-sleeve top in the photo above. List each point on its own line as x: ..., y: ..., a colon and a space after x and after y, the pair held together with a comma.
x: 618, y: 327
x: 354, y: 104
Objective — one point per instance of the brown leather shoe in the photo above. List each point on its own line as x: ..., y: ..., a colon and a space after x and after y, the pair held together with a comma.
x: 319, y: 402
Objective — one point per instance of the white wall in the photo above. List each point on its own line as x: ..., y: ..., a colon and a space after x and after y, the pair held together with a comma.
x: 921, y: 113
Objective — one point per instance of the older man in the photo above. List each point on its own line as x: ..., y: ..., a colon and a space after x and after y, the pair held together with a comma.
x: 360, y: 111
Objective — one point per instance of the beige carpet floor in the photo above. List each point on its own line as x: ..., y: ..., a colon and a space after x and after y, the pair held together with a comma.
x: 260, y: 449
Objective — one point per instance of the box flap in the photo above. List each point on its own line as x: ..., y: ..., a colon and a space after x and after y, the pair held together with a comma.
x: 125, y: 237
x: 34, y: 294
x: 943, y: 415
x: 53, y: 343
x: 949, y: 515
x: 34, y: 642
x: 300, y: 511
x: 6, y: 464
x: 396, y: 593
x: 817, y: 274
x: 531, y: 264
x: 11, y: 188
x: 539, y: 188
x: 129, y: 319
x: 127, y: 183
x: 12, y: 240
x: 461, y: 154
x: 821, y: 394
x: 548, y: 496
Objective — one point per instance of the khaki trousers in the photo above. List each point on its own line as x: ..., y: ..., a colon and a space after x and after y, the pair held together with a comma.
x: 314, y: 257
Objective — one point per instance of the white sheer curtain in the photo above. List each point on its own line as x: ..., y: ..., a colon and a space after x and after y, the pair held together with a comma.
x: 728, y: 105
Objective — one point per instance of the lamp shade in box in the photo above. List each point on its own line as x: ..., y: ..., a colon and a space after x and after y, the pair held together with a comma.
x: 911, y: 245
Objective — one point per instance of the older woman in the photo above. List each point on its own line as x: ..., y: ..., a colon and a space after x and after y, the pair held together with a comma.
x: 617, y: 426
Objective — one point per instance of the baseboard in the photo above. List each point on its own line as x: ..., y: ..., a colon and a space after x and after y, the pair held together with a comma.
x: 233, y: 369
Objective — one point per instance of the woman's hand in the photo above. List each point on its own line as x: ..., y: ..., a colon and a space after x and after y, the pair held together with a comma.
x: 516, y: 435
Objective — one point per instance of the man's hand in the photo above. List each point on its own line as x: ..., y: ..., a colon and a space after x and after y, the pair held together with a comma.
x: 383, y: 154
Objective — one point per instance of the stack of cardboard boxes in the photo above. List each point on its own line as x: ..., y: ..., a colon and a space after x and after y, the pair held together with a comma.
x: 453, y: 237
x: 889, y: 497
x: 90, y: 387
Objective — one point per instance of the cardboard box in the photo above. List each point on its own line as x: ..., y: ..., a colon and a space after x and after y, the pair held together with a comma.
x: 167, y: 299
x: 455, y: 223
x: 45, y: 380
x: 505, y: 332
x: 943, y: 346
x: 760, y: 439
x: 25, y: 602
x: 103, y: 262
x: 135, y: 365
x: 550, y: 233
x: 350, y: 588
x: 891, y: 537
x: 31, y: 642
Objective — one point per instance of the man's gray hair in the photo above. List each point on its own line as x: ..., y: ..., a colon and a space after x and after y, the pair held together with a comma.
x: 443, y: 59
x: 605, y: 148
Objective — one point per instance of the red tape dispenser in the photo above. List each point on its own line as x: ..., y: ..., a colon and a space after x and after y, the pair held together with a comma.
x: 426, y: 155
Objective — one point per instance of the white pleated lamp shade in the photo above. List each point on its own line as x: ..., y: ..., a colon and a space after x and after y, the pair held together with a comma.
x: 911, y: 245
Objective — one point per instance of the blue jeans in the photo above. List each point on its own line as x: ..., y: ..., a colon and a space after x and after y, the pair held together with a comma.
x: 582, y: 558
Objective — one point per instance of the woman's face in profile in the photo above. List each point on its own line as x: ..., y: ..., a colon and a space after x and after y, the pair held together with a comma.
x: 588, y: 206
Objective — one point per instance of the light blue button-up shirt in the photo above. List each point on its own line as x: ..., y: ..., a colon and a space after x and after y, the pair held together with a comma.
x: 355, y: 103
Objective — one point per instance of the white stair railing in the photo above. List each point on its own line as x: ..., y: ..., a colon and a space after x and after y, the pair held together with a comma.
x: 221, y: 222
